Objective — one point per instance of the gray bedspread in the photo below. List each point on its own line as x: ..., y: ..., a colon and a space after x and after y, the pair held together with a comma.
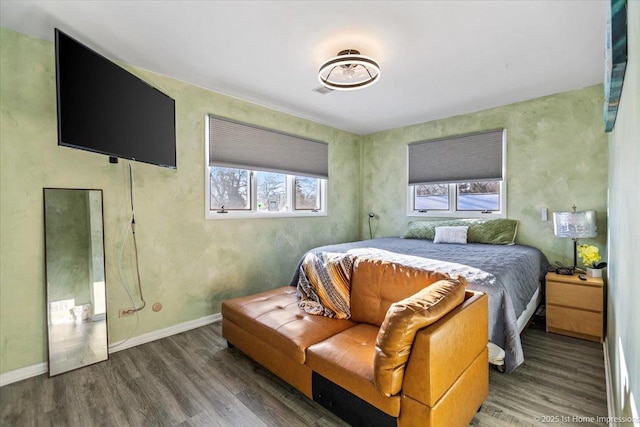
x: 509, y: 275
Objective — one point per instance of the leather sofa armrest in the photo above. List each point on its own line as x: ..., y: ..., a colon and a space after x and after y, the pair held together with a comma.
x: 401, y: 324
x: 442, y: 351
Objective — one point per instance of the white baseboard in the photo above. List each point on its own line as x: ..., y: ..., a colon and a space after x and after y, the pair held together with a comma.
x: 609, y: 384
x: 163, y: 333
x: 23, y: 373
x: 20, y: 374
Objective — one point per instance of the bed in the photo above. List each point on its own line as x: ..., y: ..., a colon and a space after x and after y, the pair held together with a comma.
x: 511, y: 276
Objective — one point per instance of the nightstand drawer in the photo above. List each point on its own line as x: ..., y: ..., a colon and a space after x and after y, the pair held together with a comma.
x: 569, y: 319
x: 570, y: 295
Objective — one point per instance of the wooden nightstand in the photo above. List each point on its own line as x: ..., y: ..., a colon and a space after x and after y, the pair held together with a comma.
x: 575, y: 307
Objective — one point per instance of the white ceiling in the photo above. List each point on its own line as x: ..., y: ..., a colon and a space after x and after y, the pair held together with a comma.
x: 437, y: 58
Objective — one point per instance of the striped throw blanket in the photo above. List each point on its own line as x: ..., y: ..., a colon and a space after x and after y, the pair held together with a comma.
x: 324, y: 284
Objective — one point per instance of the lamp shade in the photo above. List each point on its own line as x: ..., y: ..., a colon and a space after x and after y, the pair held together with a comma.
x: 575, y: 225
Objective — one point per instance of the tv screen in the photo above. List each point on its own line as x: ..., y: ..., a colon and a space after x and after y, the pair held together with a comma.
x: 105, y: 109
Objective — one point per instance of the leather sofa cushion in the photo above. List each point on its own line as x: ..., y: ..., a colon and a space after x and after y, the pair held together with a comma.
x: 275, y: 318
x: 376, y: 284
x: 346, y: 359
x: 402, y: 322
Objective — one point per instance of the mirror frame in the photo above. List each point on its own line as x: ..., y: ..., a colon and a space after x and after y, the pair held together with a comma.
x: 78, y: 317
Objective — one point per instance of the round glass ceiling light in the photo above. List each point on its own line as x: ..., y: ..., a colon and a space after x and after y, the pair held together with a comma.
x: 349, y: 71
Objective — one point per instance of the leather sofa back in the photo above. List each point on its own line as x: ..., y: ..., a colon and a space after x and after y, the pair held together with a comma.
x: 376, y: 284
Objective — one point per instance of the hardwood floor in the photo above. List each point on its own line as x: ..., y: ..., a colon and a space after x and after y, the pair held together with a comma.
x: 193, y: 379
x: 561, y: 382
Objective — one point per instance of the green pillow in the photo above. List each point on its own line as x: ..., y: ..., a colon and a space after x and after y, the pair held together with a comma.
x: 427, y: 229
x: 492, y: 231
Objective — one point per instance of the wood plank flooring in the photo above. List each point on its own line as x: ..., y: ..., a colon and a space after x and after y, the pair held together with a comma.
x: 193, y: 379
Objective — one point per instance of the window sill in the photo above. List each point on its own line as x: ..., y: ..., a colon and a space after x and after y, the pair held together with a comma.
x: 458, y: 214
x: 213, y: 215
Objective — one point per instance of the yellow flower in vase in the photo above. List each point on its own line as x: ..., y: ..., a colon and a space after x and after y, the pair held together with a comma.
x: 591, y: 260
x: 589, y: 254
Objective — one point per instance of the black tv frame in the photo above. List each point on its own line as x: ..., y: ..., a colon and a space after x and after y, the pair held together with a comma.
x: 126, y: 146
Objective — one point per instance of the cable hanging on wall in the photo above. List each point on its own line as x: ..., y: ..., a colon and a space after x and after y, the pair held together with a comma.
x: 131, y: 226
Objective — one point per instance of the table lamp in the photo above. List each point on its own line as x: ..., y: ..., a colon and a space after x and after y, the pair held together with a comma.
x: 575, y: 225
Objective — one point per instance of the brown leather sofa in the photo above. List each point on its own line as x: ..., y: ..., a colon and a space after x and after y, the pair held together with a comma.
x: 413, y: 353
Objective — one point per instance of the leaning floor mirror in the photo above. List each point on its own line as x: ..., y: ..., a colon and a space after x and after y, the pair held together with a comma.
x: 75, y: 278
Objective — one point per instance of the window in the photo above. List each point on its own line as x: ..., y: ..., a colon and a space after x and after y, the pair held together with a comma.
x: 461, y: 176
x: 272, y: 191
x: 236, y: 191
x: 465, y: 198
x: 229, y: 188
x: 254, y: 172
x: 478, y: 196
x: 307, y: 191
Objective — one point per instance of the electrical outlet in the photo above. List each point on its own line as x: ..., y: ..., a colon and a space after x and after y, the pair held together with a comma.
x: 124, y: 312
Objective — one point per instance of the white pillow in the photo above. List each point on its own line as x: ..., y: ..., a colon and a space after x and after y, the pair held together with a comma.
x: 451, y: 235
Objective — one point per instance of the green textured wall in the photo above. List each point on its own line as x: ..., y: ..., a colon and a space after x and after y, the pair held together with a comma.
x: 556, y: 156
x: 187, y: 263
x: 623, y: 316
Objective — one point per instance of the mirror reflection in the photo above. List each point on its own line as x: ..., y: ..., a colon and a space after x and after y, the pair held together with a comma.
x: 75, y: 275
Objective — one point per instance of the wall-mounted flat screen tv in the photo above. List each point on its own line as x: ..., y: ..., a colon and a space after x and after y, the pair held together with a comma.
x: 105, y: 109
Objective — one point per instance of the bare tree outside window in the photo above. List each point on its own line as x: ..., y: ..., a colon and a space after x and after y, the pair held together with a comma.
x: 243, y: 191
x: 307, y: 191
x: 229, y: 188
x: 432, y: 197
x: 479, y: 196
x: 272, y: 191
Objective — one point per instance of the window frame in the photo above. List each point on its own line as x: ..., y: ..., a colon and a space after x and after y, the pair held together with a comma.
x: 253, y: 212
x: 250, y: 185
x: 453, y: 211
x: 320, y: 184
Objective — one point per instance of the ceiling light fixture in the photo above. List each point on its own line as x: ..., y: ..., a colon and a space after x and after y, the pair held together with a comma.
x: 349, y: 71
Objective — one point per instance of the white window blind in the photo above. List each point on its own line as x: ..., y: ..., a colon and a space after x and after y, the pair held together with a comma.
x: 462, y: 158
x: 238, y: 145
